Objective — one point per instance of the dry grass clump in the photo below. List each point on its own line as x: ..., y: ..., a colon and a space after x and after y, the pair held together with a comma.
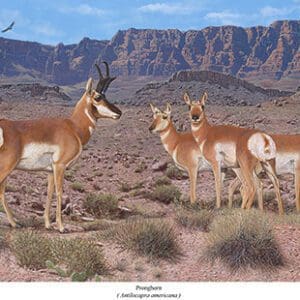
x: 243, y: 239
x: 290, y: 219
x: 101, y: 205
x: 174, y: 173
x: 153, y: 238
x: 163, y: 180
x: 78, y: 187
x: 165, y: 194
x: 77, y: 258
x: 31, y: 250
x: 195, y: 219
x: 3, y: 239
x: 125, y: 187
x: 98, y: 224
x: 80, y: 256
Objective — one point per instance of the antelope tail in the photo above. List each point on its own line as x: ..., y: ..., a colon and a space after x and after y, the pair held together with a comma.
x: 262, y: 146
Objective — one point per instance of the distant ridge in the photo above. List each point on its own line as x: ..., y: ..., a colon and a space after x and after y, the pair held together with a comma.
x: 266, y: 52
x: 222, y: 90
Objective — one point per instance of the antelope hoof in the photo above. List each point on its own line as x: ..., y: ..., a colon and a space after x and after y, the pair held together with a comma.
x: 48, y: 225
x: 16, y: 225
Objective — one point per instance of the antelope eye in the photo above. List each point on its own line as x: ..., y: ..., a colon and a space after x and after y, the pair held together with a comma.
x: 164, y: 117
x: 99, y: 97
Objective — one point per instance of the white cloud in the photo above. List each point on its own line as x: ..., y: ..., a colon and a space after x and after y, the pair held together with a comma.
x: 166, y: 8
x: 83, y: 9
x: 46, y: 29
x: 269, y: 11
x: 225, y: 17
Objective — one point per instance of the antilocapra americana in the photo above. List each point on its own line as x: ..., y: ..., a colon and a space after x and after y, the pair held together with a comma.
x: 233, y: 147
x: 53, y: 144
x: 181, y: 146
x: 287, y: 161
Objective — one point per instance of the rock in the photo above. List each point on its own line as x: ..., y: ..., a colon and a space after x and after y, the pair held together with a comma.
x: 37, y: 206
x: 160, y: 166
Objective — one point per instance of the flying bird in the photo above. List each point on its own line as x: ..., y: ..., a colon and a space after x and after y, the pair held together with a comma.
x: 9, y: 27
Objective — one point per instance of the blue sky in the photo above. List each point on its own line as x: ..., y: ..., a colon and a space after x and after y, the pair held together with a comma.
x: 68, y: 21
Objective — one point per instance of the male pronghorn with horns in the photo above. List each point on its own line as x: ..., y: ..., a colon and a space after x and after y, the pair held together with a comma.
x: 244, y: 150
x: 53, y: 144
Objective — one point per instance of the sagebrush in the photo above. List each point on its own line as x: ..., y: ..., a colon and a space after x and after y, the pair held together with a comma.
x: 101, y: 205
x: 154, y: 238
x: 243, y: 239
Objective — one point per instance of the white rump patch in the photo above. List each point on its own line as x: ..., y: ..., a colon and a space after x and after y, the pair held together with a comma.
x: 1, y: 137
x: 262, y: 146
x: 38, y: 157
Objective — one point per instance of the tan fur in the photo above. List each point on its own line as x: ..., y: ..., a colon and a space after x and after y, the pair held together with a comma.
x: 49, y: 144
x: 287, y: 161
x: 226, y: 146
x: 181, y: 146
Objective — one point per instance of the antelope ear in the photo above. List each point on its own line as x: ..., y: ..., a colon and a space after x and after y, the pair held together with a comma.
x: 89, y: 86
x: 186, y: 98
x: 204, y: 99
x: 168, y: 109
x: 154, y: 109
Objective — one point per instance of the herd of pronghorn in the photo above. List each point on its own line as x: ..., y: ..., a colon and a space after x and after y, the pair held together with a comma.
x: 53, y: 144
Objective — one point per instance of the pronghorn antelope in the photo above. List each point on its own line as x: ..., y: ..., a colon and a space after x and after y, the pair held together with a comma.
x: 233, y: 147
x: 287, y: 161
x: 181, y: 146
x: 53, y: 144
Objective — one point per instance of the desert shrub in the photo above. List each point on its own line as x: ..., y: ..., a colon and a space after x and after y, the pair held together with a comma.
x: 291, y: 218
x: 81, y: 257
x: 76, y: 258
x: 3, y: 240
x: 70, y: 175
x: 99, y: 224
x: 77, y: 186
x: 152, y: 238
x: 2, y: 208
x: 31, y: 221
x: 100, y: 205
x: 243, y: 239
x: 174, y: 173
x: 125, y: 187
x: 196, y: 219
x: 142, y: 166
x: 163, y: 180
x: 31, y: 249
x: 165, y: 194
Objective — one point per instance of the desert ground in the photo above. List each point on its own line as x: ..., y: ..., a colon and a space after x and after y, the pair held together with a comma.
x: 124, y: 159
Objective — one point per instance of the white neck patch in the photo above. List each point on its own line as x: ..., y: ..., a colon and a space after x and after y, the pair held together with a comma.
x: 91, y: 129
x: 89, y: 116
x: 165, y: 134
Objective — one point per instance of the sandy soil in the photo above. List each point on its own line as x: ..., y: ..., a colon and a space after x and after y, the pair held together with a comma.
x: 111, y: 158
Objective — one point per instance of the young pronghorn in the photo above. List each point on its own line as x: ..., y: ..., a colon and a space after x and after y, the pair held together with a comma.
x: 287, y: 162
x: 53, y: 144
x: 233, y: 147
x: 181, y: 146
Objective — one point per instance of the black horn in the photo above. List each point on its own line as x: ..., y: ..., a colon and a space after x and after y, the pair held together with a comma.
x: 99, y: 71
x: 107, y: 68
x: 103, y: 82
